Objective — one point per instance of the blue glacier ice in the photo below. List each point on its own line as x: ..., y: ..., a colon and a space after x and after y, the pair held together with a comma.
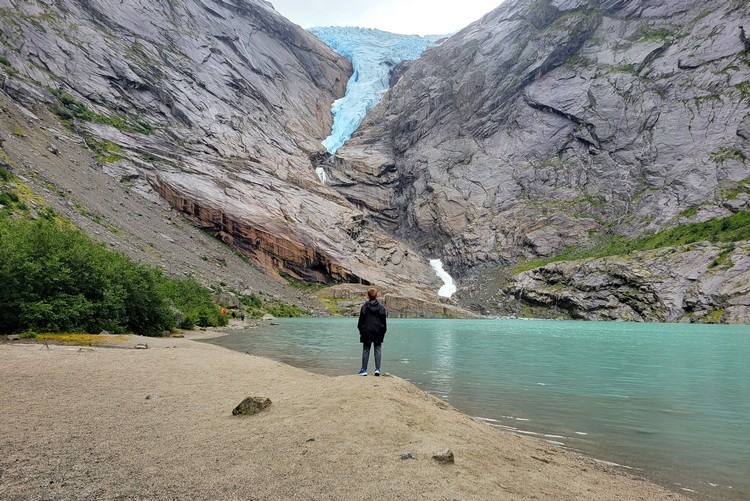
x: 373, y: 53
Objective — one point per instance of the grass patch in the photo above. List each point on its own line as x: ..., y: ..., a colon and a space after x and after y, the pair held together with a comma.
x: 70, y: 108
x: 106, y: 151
x: 79, y: 339
x: 281, y: 309
x: 690, y: 212
x: 310, y: 287
x: 725, y: 154
x: 7, y: 66
x: 723, y: 259
x: 714, y: 317
x: 732, y: 193
x: 12, y: 199
x: 332, y: 304
x: 5, y: 175
x: 255, y: 307
x: 657, y: 35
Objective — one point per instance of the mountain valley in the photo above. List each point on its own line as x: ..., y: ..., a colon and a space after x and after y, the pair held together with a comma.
x: 188, y: 134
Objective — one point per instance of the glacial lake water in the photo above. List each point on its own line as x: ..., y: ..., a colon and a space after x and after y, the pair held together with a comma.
x: 671, y: 402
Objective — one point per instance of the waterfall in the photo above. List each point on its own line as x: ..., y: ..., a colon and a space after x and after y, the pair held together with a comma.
x: 449, y: 287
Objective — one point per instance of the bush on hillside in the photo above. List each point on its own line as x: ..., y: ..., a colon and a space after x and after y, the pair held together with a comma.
x: 55, y: 279
x: 193, y: 304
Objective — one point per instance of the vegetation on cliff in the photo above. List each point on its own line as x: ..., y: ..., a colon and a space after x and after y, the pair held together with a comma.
x: 730, y: 229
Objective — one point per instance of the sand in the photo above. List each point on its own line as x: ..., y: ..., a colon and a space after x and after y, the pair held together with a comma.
x: 75, y: 423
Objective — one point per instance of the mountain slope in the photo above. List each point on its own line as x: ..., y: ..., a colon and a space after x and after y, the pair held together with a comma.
x: 546, y: 120
x: 216, y: 107
x: 556, y: 123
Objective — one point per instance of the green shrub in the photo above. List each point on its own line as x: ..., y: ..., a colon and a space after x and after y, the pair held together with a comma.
x: 193, y: 304
x: 55, y: 279
x: 282, y: 310
x: 5, y: 175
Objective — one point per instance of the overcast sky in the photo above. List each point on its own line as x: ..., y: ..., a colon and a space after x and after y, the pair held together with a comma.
x: 410, y: 17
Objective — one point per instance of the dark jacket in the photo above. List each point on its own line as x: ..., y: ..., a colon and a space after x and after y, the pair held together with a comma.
x: 372, y: 323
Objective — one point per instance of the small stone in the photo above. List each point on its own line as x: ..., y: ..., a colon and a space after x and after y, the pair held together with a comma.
x: 407, y: 455
x: 251, y: 405
x: 141, y: 346
x: 13, y: 337
x: 53, y: 149
x: 444, y: 457
x: 104, y: 332
x: 152, y: 396
x: 311, y: 439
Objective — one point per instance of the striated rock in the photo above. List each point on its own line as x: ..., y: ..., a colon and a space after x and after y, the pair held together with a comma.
x: 216, y: 108
x: 251, y: 405
x: 546, y: 122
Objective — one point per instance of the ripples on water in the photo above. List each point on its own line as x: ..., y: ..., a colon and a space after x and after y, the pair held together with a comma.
x: 669, y: 400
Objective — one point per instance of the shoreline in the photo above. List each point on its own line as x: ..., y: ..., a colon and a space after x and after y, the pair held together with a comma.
x: 80, y: 426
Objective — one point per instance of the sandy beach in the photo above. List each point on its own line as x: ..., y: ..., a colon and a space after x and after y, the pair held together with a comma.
x: 77, y: 424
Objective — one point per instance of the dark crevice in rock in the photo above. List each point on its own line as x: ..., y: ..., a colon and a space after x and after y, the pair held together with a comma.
x: 744, y: 39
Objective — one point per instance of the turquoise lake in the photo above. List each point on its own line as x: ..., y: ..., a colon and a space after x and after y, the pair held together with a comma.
x: 671, y: 402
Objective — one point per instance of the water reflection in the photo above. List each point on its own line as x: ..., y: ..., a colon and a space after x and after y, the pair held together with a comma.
x: 443, y: 356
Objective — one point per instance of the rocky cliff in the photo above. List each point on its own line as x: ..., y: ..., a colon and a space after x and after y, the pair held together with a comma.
x: 552, y: 124
x: 217, y: 107
x: 548, y: 125
x: 702, y: 282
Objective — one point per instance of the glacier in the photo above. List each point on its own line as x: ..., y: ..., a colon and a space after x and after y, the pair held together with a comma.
x: 373, y: 54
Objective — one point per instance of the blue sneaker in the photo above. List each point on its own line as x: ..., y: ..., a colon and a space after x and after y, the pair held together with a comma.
x: 377, y: 371
x: 362, y: 372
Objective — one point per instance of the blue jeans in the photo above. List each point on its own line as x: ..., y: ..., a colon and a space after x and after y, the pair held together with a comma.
x: 366, y: 355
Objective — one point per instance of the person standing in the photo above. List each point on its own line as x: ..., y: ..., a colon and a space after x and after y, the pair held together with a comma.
x: 372, y: 327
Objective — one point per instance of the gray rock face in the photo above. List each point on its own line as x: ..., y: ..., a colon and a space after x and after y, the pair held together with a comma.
x: 217, y: 107
x: 546, y: 123
x: 697, y: 283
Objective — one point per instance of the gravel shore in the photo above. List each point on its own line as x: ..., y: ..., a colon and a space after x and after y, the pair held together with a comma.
x: 77, y: 424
